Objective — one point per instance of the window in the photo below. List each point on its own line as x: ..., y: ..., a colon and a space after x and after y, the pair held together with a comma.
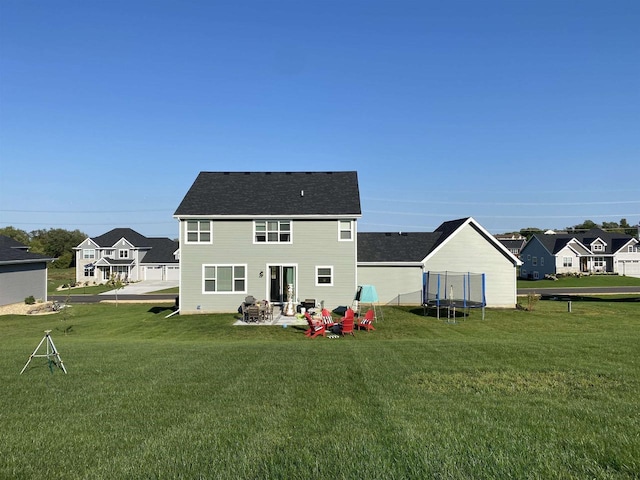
x: 324, y: 276
x: 536, y: 276
x: 528, y: 258
x: 224, y: 278
x: 88, y: 253
x: 598, y: 247
x: 198, y: 231
x: 345, y: 230
x: 123, y: 253
x: 542, y: 261
x: 534, y: 261
x: 272, y: 231
x: 598, y: 262
x: 89, y: 271
x: 108, y: 253
x: 567, y: 261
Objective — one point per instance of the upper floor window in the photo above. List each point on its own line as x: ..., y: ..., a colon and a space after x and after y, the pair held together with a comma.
x: 542, y: 261
x: 345, y: 230
x: 224, y: 279
x: 108, y: 253
x: 198, y: 231
x: 88, y: 253
x: 324, y: 276
x: 534, y: 261
x: 598, y: 247
x: 272, y: 231
x: 123, y: 253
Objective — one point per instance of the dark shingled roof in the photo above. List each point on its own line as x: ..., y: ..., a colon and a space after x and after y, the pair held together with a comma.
x: 12, y: 251
x: 403, y: 247
x: 161, y: 249
x: 113, y: 236
x: 614, y: 241
x: 273, y: 194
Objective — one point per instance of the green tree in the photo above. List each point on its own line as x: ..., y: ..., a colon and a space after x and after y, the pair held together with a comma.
x: 17, y: 234
x: 530, y: 231
x: 583, y: 227
x: 56, y: 241
x: 115, y: 282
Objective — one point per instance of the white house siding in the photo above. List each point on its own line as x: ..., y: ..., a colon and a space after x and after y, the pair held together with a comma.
x: 315, y: 243
x: 18, y: 281
x: 627, y: 263
x: 559, y: 261
x: 468, y: 251
x: 394, y: 284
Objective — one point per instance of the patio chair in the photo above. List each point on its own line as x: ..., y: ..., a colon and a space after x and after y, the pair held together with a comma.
x: 346, y: 326
x: 253, y: 313
x: 327, y: 319
x: 315, y: 328
x: 366, y: 322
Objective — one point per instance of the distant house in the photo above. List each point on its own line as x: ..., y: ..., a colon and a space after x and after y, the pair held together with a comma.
x: 22, y: 274
x: 595, y: 251
x: 394, y: 262
x: 127, y: 254
x: 512, y: 243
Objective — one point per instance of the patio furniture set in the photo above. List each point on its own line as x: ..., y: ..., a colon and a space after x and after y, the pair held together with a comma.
x: 346, y: 325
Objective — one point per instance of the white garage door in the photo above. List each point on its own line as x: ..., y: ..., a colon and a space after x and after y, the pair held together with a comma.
x: 630, y: 268
x: 153, y: 273
x: 173, y: 273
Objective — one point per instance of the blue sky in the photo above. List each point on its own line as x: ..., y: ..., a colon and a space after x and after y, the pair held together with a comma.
x: 518, y: 113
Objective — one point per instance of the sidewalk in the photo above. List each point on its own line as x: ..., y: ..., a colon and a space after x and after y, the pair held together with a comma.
x: 147, y: 286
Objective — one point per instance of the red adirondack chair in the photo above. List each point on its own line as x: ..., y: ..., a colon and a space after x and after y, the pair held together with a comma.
x: 315, y: 328
x: 347, y: 324
x: 366, y: 322
x: 327, y: 319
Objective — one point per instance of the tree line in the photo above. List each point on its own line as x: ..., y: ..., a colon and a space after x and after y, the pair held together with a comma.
x: 614, y: 227
x: 56, y: 243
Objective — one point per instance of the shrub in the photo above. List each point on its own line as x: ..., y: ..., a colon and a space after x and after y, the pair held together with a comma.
x: 30, y: 300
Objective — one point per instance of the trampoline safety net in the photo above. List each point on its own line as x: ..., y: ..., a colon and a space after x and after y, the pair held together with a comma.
x: 453, y: 289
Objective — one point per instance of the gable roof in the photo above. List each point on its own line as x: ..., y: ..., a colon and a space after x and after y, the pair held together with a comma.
x: 159, y: 249
x: 112, y: 237
x: 416, y: 246
x: 162, y: 251
x: 291, y: 194
x: 613, y: 241
x: 12, y: 251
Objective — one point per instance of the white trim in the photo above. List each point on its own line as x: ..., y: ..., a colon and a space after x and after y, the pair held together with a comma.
x: 266, y: 232
x: 318, y: 284
x: 232, y: 265
x: 351, y: 229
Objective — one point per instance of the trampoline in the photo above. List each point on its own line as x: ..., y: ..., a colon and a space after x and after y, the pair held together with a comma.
x: 453, y: 290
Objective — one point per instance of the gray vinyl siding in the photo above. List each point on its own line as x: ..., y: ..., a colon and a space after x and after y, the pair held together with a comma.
x: 18, y: 281
x: 535, y: 249
x: 394, y: 284
x: 315, y: 243
x: 469, y: 251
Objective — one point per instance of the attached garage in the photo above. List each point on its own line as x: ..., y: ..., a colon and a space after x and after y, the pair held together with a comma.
x: 173, y: 272
x: 629, y: 268
x: 153, y: 272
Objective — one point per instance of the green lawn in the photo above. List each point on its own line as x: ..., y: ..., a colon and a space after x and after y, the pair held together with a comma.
x: 542, y: 394
x: 587, y: 281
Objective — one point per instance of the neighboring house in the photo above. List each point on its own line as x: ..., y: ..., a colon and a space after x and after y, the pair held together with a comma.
x: 127, y: 254
x: 256, y: 233
x: 394, y: 262
x: 513, y: 244
x: 22, y: 274
x: 595, y: 251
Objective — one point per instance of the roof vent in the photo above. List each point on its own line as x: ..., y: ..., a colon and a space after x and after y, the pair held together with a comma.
x: 302, y: 193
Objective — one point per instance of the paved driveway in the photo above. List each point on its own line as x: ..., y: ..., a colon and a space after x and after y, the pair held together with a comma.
x: 147, y: 286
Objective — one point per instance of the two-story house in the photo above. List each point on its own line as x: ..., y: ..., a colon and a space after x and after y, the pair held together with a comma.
x: 125, y: 253
x: 595, y: 251
x: 263, y: 233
